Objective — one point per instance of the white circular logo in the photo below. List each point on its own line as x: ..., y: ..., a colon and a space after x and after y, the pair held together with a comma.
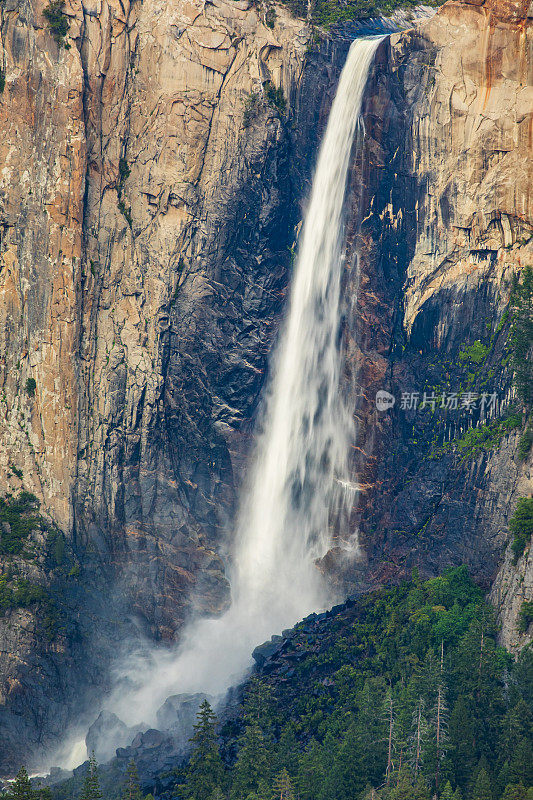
x: 384, y: 400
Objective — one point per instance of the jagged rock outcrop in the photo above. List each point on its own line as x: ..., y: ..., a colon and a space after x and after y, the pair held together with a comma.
x: 512, y: 587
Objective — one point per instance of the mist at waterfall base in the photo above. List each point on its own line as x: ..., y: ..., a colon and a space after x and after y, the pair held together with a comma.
x: 299, y: 478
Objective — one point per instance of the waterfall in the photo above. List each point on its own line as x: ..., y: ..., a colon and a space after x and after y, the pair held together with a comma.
x: 299, y: 471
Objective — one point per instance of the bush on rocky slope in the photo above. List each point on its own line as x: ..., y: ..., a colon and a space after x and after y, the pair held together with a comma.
x: 57, y: 21
x: 17, y: 520
x: 526, y: 616
x: 521, y: 525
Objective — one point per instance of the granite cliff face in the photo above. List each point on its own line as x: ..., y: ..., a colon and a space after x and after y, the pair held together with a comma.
x: 129, y: 292
x: 151, y: 188
x: 449, y: 220
x: 151, y: 184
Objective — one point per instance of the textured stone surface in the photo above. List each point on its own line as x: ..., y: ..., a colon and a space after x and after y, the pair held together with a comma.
x: 149, y: 194
x: 123, y: 294
x: 448, y: 191
x: 513, y: 585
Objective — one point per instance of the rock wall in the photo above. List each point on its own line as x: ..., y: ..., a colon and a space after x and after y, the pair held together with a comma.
x: 448, y: 192
x: 152, y: 174
x: 124, y: 272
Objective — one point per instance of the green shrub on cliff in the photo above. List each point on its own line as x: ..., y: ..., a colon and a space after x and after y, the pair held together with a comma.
x: 330, y: 12
x: 58, y: 23
x: 270, y: 18
x: 17, y: 520
x: 275, y: 97
x: 521, y: 338
x: 476, y: 353
x: 19, y: 593
x: 526, y: 616
x: 524, y: 445
x: 521, y: 525
x: 482, y: 438
x: 252, y: 105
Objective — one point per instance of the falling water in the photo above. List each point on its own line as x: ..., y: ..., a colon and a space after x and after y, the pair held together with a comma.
x: 299, y: 471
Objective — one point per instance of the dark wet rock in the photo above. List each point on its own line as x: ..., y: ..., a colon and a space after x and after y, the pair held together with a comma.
x: 265, y: 651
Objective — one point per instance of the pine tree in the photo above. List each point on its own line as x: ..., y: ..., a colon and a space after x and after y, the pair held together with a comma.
x: 421, y: 790
x: 440, y: 719
x: 91, y: 784
x: 514, y: 792
x: 461, y: 741
x: 405, y: 700
x: 283, y: 788
x: 43, y: 793
x: 404, y: 789
x: 252, y: 767
x: 371, y: 794
x: 132, y: 790
x: 205, y: 772
x: 521, y: 765
x: 258, y: 705
x: 371, y: 733
x: 418, y: 736
x: 22, y: 788
x: 346, y: 778
x: 311, y: 772
x: 482, y: 787
x: 447, y: 792
x: 516, y: 725
x: 389, y: 705
x: 286, y: 752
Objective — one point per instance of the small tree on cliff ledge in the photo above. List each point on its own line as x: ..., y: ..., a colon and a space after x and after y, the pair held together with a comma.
x: 22, y: 788
x: 58, y: 22
x: 91, y: 785
x: 206, y: 770
x: 132, y: 789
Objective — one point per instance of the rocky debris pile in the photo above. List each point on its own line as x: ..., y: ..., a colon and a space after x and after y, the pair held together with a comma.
x: 282, y: 653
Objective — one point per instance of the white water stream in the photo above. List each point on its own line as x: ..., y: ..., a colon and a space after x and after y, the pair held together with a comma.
x: 299, y: 473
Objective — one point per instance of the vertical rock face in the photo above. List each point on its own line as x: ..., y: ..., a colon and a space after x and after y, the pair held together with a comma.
x: 512, y: 587
x: 144, y: 253
x: 448, y: 188
x: 152, y: 175
x: 43, y: 153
